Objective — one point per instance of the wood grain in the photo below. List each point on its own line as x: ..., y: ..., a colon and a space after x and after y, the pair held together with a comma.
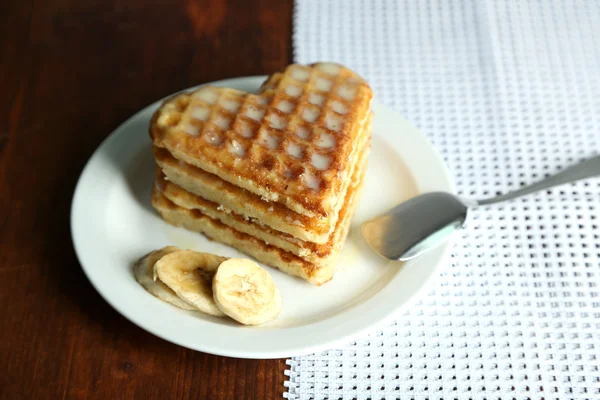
x: 72, y: 71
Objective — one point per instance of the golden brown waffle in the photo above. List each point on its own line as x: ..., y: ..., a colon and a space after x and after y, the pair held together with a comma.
x: 292, y: 143
x: 243, y: 202
x: 308, y: 251
x: 194, y: 220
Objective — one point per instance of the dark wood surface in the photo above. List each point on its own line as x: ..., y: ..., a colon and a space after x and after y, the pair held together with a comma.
x: 70, y: 72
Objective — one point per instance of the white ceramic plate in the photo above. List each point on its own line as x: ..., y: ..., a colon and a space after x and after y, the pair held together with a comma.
x: 113, y: 225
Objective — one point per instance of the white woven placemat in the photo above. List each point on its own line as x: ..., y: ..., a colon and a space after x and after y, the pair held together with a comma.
x: 507, y: 91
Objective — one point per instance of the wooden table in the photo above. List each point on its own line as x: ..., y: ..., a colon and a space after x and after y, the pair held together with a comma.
x: 71, y: 71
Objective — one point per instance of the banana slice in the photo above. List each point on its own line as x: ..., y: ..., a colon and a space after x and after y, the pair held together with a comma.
x: 144, y: 274
x: 189, y: 275
x: 246, y: 292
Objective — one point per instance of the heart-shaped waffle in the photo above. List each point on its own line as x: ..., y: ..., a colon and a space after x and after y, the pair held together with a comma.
x: 295, y: 142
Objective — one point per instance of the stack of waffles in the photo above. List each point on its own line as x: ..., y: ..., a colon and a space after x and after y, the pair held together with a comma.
x: 277, y: 174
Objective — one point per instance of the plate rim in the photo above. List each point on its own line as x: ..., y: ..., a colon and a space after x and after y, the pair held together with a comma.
x: 292, y: 350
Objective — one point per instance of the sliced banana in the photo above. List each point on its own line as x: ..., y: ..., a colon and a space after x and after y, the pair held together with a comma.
x: 189, y: 275
x: 246, y: 292
x: 144, y: 274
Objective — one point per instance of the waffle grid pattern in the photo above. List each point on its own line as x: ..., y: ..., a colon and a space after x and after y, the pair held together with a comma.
x: 302, y: 125
x: 507, y: 92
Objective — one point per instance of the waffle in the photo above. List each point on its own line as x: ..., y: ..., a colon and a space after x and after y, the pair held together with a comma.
x: 250, y: 205
x: 309, y: 251
x: 316, y: 273
x: 194, y: 220
x: 292, y: 143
